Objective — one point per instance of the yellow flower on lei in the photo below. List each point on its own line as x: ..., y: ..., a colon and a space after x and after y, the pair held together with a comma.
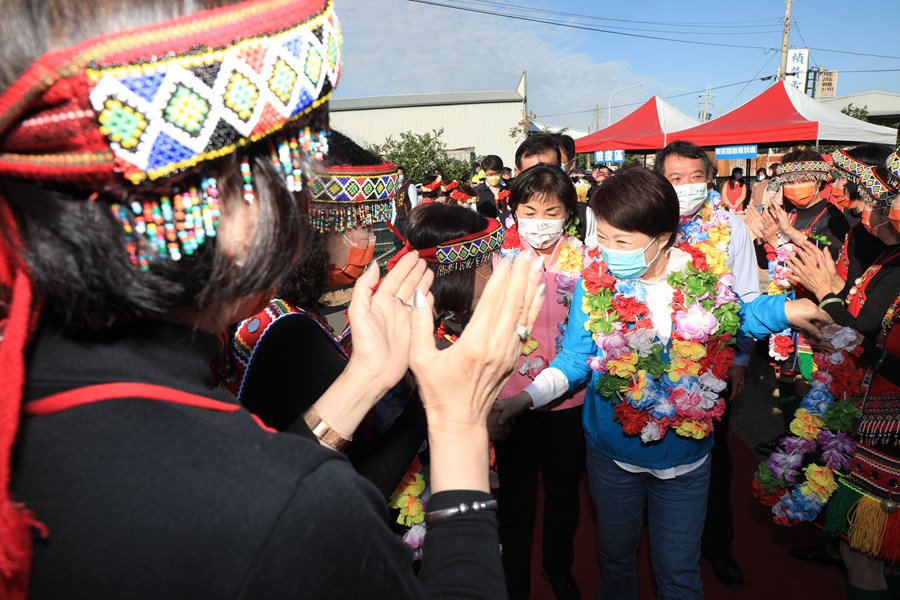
x: 637, y: 385
x: 715, y: 260
x: 406, y: 499
x: 623, y: 366
x: 688, y: 349
x: 692, y: 429
x: 679, y: 368
x: 819, y: 481
x: 806, y: 424
x: 774, y: 289
x: 569, y: 260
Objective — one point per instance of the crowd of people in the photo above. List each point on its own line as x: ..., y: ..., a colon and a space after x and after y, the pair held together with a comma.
x: 179, y: 419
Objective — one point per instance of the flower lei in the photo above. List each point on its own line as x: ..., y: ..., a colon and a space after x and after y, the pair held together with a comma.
x: 410, y: 498
x: 569, y: 263
x: 657, y: 388
x: 463, y: 198
x: 781, y: 344
x: 822, y: 442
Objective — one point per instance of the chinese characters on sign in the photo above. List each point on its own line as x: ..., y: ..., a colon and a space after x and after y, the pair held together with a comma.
x: 609, y: 156
x: 797, y: 67
x: 827, y: 84
x: 731, y: 152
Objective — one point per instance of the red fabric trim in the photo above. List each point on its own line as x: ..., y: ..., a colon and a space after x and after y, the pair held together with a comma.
x: 115, y: 391
x: 383, y: 168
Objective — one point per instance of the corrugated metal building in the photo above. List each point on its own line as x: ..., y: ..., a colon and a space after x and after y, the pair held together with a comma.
x: 474, y: 123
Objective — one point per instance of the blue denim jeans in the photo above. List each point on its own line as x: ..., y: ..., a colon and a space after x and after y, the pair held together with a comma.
x: 676, y: 510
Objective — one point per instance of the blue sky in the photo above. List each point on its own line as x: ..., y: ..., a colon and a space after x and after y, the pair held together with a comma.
x: 403, y: 47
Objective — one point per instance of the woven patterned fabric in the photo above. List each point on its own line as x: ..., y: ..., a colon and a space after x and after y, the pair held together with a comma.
x: 349, y: 188
x: 848, y: 166
x: 876, y: 191
x: 893, y: 167
x: 470, y: 253
x: 226, y: 78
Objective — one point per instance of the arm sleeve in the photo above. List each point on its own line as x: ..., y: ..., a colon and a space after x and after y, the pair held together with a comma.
x: 413, y: 196
x: 764, y: 316
x: 335, y: 527
x: 550, y: 384
x: 578, y: 343
x: 880, y: 293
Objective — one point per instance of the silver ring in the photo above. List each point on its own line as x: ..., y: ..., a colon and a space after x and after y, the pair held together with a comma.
x: 402, y: 301
x: 522, y: 332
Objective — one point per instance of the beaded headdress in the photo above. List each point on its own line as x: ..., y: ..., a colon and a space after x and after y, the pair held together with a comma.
x: 893, y: 166
x: 347, y: 196
x: 875, y: 191
x: 847, y: 166
x: 466, y: 252
x: 123, y: 115
x: 802, y: 169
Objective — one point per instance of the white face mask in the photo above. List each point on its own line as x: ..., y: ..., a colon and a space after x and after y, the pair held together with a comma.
x: 690, y: 197
x: 541, y: 233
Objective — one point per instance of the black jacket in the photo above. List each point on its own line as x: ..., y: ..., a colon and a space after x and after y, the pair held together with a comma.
x: 149, y: 500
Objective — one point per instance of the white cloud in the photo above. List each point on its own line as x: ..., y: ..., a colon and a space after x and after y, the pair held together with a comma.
x: 399, y: 47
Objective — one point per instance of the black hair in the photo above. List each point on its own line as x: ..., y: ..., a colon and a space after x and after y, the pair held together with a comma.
x: 685, y: 150
x: 465, y: 188
x: 801, y: 154
x: 536, y: 145
x: 735, y: 171
x: 541, y: 181
x: 762, y: 170
x: 431, y: 224
x: 566, y: 145
x: 428, y: 180
x: 637, y: 199
x: 492, y: 162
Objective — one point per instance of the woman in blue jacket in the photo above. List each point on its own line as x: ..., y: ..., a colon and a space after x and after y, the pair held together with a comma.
x: 652, y: 325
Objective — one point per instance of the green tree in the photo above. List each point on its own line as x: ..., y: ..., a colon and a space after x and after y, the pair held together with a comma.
x: 422, y: 155
x: 857, y: 113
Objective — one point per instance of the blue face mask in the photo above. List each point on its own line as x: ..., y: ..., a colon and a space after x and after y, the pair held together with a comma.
x: 627, y: 264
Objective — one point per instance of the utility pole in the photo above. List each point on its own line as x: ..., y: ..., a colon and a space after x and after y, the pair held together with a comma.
x: 704, y: 115
x: 784, y: 41
x: 596, y: 117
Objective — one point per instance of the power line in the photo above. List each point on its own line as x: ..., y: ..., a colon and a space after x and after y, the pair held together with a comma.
x: 724, y: 110
x: 586, y: 27
x: 746, y: 24
x: 802, y: 39
x: 635, y: 35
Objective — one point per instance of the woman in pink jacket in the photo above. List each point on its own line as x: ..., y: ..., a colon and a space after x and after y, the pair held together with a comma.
x: 549, y: 441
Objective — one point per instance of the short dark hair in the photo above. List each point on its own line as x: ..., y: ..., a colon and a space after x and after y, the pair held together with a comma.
x: 801, y: 154
x: 535, y: 145
x: 566, y: 145
x: 431, y: 224
x: 685, y: 150
x: 637, y: 199
x: 428, y: 180
x: 492, y: 162
x: 540, y: 181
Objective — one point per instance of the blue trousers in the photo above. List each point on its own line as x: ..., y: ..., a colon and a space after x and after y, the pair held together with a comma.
x: 676, y: 510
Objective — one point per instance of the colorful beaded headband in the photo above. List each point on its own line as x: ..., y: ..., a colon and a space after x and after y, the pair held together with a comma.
x: 466, y: 252
x: 847, y: 166
x: 792, y: 171
x: 109, y: 108
x: 346, y: 196
x: 463, y: 198
x: 876, y: 192
x: 893, y: 167
x: 432, y: 186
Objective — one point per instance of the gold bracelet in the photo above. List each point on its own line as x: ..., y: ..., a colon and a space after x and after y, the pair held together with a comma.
x: 326, y: 435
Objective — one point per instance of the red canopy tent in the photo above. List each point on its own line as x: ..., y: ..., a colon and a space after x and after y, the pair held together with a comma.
x: 646, y: 128
x: 782, y: 114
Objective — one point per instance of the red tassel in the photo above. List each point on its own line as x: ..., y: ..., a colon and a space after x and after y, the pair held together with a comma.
x: 890, y: 544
